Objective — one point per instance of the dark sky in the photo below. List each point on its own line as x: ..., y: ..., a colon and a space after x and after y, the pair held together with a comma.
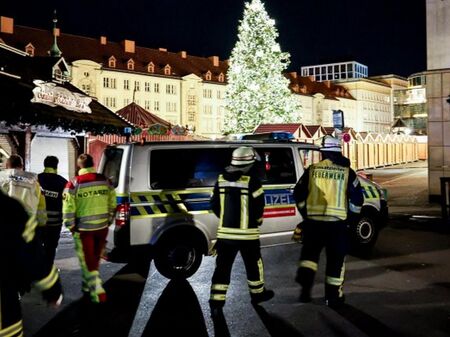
x: 387, y: 35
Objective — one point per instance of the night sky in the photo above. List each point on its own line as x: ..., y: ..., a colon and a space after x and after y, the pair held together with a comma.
x: 387, y: 35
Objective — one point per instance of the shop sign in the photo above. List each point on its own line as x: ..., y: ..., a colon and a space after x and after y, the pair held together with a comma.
x: 50, y: 94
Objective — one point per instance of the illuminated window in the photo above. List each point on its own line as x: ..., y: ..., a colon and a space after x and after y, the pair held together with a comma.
x: 112, y: 62
x: 29, y: 49
x: 167, y: 70
x: 130, y: 64
x: 208, y: 76
x: 221, y: 77
x: 151, y: 68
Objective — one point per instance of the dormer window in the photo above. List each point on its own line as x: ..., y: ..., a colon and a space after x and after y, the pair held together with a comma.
x: 167, y: 69
x: 112, y: 62
x: 29, y: 49
x: 208, y: 76
x: 221, y: 77
x: 151, y: 68
x: 130, y: 64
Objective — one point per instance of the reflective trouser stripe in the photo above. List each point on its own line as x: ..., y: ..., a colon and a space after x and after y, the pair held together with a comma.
x: 93, y: 217
x: 219, y: 292
x: 237, y: 236
x: 334, y: 281
x: 239, y: 231
x: 12, y: 330
x: 92, y: 226
x: 308, y: 264
x: 48, y: 281
x: 257, y: 287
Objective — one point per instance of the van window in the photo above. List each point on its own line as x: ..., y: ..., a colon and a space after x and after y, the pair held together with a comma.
x: 183, y: 168
x: 309, y: 157
x: 276, y: 166
x: 111, y: 169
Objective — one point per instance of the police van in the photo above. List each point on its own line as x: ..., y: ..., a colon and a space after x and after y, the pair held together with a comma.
x: 164, y: 188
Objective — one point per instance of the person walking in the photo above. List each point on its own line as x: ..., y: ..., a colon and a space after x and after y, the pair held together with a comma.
x: 89, y: 206
x: 52, y: 185
x: 24, y: 187
x: 22, y: 264
x: 328, y: 196
x: 238, y: 201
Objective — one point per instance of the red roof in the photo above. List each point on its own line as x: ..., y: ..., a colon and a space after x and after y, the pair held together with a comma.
x: 291, y: 127
x: 312, y: 129
x: 141, y: 117
x: 75, y: 47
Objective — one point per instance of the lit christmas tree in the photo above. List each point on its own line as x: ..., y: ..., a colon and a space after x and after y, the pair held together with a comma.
x: 257, y: 91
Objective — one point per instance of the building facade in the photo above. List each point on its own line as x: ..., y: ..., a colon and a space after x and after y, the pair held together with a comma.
x: 438, y: 92
x: 336, y: 71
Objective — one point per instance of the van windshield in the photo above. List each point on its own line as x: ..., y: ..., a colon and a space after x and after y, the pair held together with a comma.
x: 112, y: 161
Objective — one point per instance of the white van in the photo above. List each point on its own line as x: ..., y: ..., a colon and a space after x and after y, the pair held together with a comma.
x: 163, y: 192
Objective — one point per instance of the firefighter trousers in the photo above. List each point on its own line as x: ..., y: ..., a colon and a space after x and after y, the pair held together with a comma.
x: 226, y: 254
x: 49, y: 236
x: 334, y: 237
x: 89, y: 246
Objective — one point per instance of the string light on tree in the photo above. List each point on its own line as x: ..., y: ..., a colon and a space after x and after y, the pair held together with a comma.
x: 257, y: 91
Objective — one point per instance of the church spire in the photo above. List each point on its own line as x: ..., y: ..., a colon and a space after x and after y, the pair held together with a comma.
x: 54, y: 49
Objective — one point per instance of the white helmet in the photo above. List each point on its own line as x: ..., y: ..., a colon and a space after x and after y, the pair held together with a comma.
x: 331, y: 144
x: 242, y: 156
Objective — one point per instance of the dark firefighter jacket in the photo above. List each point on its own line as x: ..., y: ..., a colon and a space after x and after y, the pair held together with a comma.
x: 22, y: 264
x: 52, y: 186
x: 238, y: 201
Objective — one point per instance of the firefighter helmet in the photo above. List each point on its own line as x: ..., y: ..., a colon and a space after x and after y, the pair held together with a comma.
x: 243, y: 155
x: 331, y: 144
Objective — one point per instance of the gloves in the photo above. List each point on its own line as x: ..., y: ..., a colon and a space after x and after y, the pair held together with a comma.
x: 54, y: 295
x: 298, y: 234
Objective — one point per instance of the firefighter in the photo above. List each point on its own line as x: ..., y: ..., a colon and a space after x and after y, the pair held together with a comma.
x: 52, y: 186
x: 89, y: 205
x: 238, y: 201
x: 328, y: 196
x: 22, y: 265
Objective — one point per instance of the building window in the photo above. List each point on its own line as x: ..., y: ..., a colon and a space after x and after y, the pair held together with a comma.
x: 156, y: 88
x: 137, y: 86
x: 170, y: 89
x: 207, y: 109
x: 207, y: 93
x: 130, y: 64
x: 221, y: 77
x: 191, y: 100
x: 86, y: 88
x: 112, y: 62
x: 110, y: 102
x: 151, y: 68
x: 171, y: 107
x: 208, y: 76
x: 156, y: 105
x: 147, y: 105
x: 126, y: 101
x: 29, y: 49
x: 147, y: 86
x: 219, y: 94
x: 167, y: 69
x: 126, y: 84
x: 109, y: 82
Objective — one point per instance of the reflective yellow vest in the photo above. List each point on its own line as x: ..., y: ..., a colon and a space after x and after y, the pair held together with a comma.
x: 327, y: 197
x: 89, y: 201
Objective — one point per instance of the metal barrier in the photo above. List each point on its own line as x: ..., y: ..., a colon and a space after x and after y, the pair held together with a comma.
x: 445, y: 198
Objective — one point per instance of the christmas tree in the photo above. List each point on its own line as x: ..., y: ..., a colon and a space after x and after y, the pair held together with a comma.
x: 257, y: 91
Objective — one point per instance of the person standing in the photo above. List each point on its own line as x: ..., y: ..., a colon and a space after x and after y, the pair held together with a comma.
x: 238, y: 201
x: 24, y: 187
x: 89, y: 206
x: 52, y: 185
x: 328, y: 196
x: 22, y: 264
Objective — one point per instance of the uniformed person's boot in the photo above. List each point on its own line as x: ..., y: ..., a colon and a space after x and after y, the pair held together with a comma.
x: 334, y: 298
x: 262, y: 297
x: 305, y: 277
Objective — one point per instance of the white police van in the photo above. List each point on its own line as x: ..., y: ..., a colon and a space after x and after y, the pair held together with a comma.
x: 163, y: 192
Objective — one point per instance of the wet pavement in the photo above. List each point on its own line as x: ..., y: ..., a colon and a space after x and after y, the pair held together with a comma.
x: 403, y: 289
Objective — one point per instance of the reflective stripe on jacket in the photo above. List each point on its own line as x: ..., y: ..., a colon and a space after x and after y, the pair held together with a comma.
x: 239, y: 204
x: 89, y: 201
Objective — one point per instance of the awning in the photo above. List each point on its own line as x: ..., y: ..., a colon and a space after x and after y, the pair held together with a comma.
x: 16, y: 108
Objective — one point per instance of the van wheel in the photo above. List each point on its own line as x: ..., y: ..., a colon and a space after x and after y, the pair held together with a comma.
x: 364, y: 235
x: 177, y: 258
